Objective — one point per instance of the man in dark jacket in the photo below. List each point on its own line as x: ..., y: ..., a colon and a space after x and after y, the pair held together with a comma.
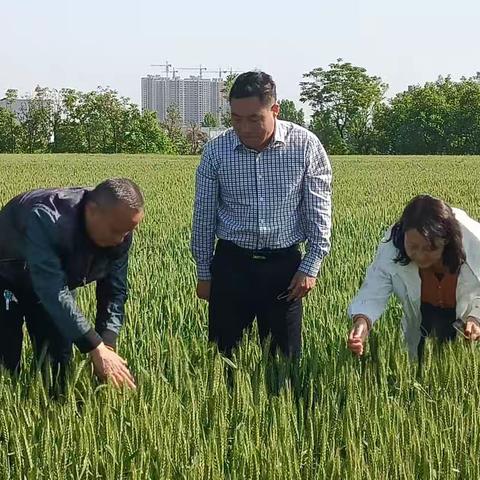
x: 53, y: 241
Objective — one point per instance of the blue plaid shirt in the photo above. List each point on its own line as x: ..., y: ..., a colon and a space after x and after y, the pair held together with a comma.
x: 269, y: 199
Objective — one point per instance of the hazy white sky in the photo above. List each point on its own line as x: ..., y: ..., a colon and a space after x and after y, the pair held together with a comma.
x: 83, y: 44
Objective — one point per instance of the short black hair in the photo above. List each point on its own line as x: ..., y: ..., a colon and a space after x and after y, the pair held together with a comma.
x: 114, y: 190
x: 254, y: 84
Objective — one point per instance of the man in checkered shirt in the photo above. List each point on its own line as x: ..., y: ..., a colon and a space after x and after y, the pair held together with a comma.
x: 262, y: 188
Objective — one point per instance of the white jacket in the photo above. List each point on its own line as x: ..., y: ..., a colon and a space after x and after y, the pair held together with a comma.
x: 385, y: 277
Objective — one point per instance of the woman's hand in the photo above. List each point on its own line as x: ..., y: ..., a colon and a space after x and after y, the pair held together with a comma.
x: 358, y: 335
x: 472, y: 329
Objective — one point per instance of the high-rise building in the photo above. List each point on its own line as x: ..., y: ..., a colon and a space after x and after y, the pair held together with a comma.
x: 194, y: 96
x: 19, y: 106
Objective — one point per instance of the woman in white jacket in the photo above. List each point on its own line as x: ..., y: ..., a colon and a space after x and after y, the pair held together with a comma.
x: 430, y: 260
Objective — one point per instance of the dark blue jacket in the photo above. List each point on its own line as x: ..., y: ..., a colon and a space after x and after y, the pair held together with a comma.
x: 45, y: 252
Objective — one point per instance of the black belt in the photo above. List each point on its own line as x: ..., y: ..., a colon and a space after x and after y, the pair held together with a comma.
x: 262, y: 254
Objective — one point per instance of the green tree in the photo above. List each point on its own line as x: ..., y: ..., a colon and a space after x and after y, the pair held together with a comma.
x: 210, y: 120
x: 346, y: 97
x: 227, y: 86
x: 56, y: 118
x: 441, y: 117
x: 196, y: 139
x: 101, y: 121
x: 324, y: 127
x: 36, y: 117
x: 174, y: 127
x: 146, y: 135
x: 10, y: 131
x: 289, y: 112
x: 69, y: 134
x: 92, y: 125
x: 101, y: 118
x: 10, y: 127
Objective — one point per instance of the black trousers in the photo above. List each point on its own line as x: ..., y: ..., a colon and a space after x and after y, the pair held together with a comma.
x: 51, y: 349
x: 245, y: 285
x: 436, y: 322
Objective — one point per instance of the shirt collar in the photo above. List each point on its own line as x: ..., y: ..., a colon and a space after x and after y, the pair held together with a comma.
x: 279, y: 136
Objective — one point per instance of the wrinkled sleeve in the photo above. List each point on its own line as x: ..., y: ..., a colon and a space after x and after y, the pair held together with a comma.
x: 316, y: 208
x: 205, y: 215
x: 111, y: 298
x: 376, y: 289
x: 50, y: 284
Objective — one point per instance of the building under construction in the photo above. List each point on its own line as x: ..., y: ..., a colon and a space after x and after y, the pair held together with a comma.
x: 194, y: 96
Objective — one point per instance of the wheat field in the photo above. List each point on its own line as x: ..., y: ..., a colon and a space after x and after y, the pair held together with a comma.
x: 197, y: 415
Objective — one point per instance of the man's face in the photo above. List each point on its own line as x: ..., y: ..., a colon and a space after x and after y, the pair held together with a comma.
x: 253, y: 121
x: 108, y: 226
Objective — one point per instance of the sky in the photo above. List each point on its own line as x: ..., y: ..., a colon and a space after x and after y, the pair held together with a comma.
x: 86, y: 44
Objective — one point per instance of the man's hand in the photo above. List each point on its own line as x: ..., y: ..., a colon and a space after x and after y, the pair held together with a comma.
x: 110, y: 366
x: 300, y: 285
x: 203, y: 289
x: 357, y: 336
x: 472, y: 329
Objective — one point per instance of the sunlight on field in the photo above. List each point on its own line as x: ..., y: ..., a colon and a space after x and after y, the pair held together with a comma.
x: 198, y: 416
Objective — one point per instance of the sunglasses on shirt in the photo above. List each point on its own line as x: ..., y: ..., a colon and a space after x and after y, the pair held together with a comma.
x: 284, y: 295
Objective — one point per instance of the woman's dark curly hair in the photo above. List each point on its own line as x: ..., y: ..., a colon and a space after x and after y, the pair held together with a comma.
x: 434, y: 220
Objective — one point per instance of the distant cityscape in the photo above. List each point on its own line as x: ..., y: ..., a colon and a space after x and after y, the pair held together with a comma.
x: 194, y: 96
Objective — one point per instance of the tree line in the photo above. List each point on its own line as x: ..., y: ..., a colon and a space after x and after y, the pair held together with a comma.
x: 100, y: 121
x: 351, y: 115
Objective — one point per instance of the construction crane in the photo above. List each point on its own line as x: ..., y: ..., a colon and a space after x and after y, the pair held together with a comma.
x: 166, y: 65
x: 220, y: 72
x: 200, y: 69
